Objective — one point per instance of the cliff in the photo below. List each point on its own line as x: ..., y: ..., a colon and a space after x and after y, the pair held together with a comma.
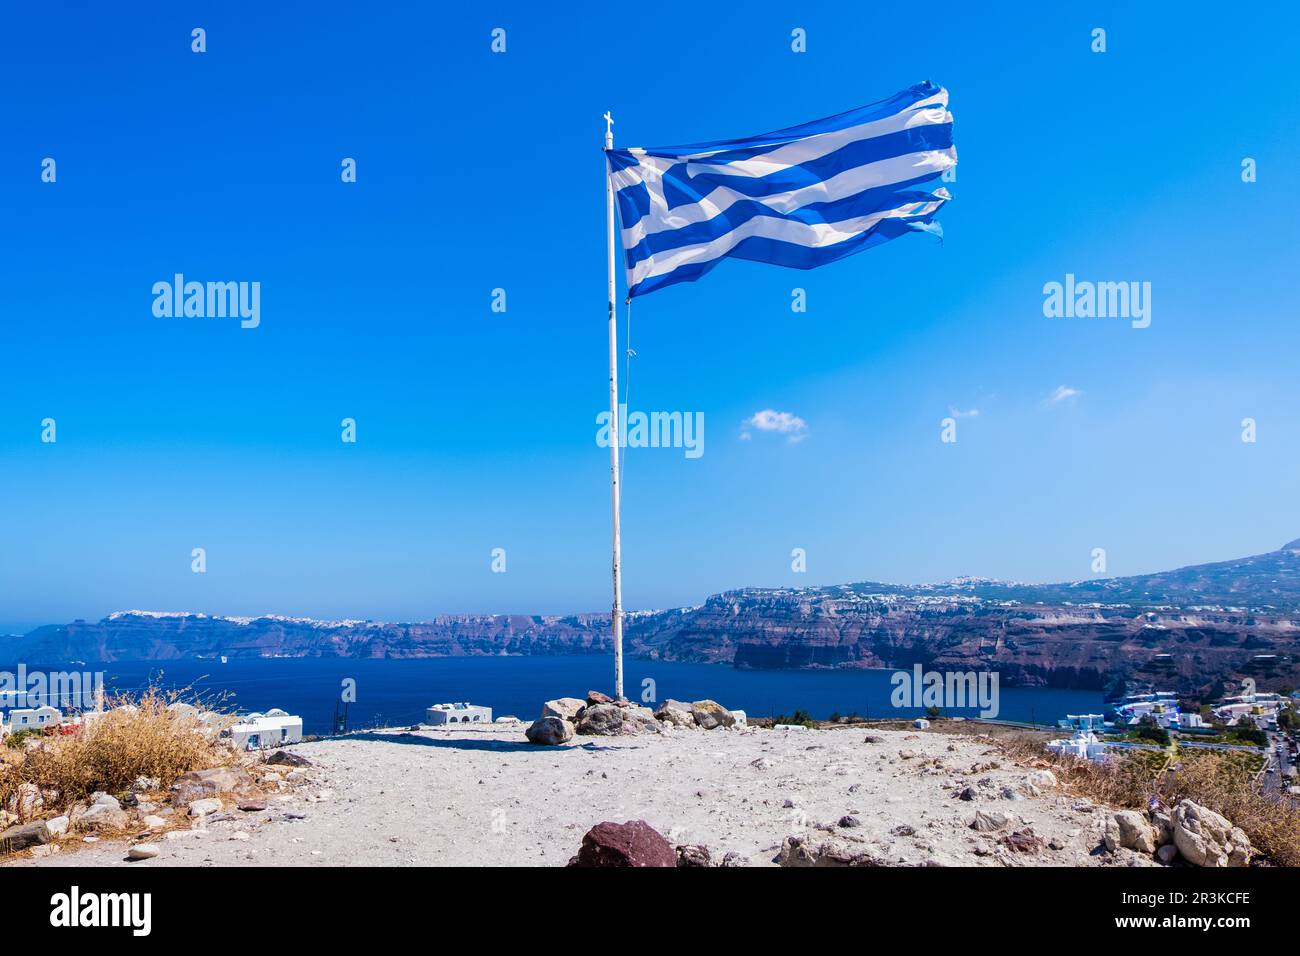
x: 1185, y: 629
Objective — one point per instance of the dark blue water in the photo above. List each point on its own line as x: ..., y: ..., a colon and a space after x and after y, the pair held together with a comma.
x: 397, y: 692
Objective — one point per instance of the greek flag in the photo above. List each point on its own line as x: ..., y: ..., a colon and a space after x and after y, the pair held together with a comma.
x: 799, y: 197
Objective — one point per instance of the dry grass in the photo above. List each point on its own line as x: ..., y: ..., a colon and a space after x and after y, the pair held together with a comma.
x: 1227, y: 786
x: 1222, y: 781
x: 146, y: 739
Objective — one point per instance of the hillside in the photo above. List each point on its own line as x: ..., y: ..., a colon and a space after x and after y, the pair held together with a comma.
x: 1189, y: 627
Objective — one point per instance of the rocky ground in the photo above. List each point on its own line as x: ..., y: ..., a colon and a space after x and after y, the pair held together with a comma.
x: 487, y: 797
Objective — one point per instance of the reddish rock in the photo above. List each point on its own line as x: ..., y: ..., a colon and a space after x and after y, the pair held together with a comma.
x: 251, y: 801
x: 596, y: 697
x: 634, y: 843
x: 1022, y: 841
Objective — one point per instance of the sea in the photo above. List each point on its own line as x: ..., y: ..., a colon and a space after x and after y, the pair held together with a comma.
x: 397, y: 692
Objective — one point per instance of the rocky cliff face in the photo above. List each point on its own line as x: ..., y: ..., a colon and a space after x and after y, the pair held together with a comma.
x: 137, y: 635
x: 1184, y: 630
x: 1058, y: 645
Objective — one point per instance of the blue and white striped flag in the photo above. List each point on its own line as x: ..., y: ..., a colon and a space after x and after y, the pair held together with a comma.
x: 799, y: 197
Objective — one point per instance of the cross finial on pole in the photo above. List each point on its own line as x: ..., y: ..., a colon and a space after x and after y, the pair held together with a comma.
x: 609, y: 130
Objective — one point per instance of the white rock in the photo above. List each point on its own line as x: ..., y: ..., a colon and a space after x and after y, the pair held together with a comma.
x: 1205, y: 838
x: 1043, y: 779
x: 153, y: 821
x: 566, y: 708
x: 57, y: 826
x: 199, y: 808
x: 26, y: 801
x: 987, y: 821
x: 1130, y: 830
x: 143, y: 851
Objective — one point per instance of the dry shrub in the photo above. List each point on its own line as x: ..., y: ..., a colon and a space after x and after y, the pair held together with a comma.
x: 1220, y: 780
x: 146, y: 738
x: 1222, y: 783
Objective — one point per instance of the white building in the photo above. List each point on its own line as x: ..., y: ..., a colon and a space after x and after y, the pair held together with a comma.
x: 262, y: 731
x: 1083, y: 745
x: 461, y: 712
x: 1083, y: 722
x: 1162, y: 707
x: 33, y: 718
x: 1259, y: 709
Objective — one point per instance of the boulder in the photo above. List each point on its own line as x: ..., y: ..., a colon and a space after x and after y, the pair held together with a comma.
x: 710, y: 714
x: 801, y: 851
x: 634, y: 843
x: 23, y: 836
x: 1205, y: 838
x: 57, y: 825
x: 1167, y: 854
x: 1022, y: 841
x: 288, y: 759
x: 694, y: 856
x: 1044, y: 779
x: 26, y: 801
x: 153, y: 822
x: 676, y: 713
x: 101, y: 816
x: 201, y: 784
x: 549, y: 731
x: 100, y: 798
x: 201, y: 808
x: 565, y: 708
x: 143, y: 851
x: 251, y: 802
x: 643, y: 714
x: 1130, y: 830
x: 610, y: 720
x: 987, y: 821
x: 596, y: 697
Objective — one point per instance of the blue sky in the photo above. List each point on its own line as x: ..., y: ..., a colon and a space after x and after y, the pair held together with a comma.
x: 476, y: 429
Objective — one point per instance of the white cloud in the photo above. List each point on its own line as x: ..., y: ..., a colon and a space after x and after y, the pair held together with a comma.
x: 958, y: 413
x: 770, y: 420
x: 1062, y: 393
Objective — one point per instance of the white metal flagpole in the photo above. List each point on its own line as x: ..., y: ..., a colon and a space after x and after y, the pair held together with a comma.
x: 615, y: 426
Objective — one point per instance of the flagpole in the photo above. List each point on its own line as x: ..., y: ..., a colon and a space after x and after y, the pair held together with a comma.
x: 615, y: 427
